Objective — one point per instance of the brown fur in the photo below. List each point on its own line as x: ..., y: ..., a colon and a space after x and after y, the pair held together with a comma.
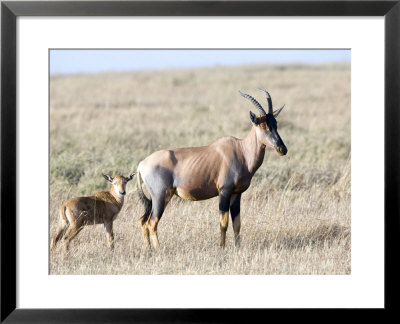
x: 224, y: 168
x: 99, y: 208
x: 201, y: 172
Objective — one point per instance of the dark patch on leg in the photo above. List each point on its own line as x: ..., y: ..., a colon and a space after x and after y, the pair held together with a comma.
x: 158, y: 209
x: 157, y: 182
x: 159, y: 185
x: 237, y: 175
x: 224, y: 202
x: 235, y: 206
x: 235, y: 215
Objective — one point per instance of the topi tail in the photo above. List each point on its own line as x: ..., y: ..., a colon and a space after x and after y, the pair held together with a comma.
x: 145, y: 201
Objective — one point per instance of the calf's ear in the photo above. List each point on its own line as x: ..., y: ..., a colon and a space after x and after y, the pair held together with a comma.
x: 107, y: 177
x: 131, y: 176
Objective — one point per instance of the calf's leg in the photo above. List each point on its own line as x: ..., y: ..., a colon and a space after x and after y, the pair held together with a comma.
x: 61, y: 229
x: 110, y: 234
x: 73, y: 230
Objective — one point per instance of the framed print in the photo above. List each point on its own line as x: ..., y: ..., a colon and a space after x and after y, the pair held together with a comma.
x: 328, y: 186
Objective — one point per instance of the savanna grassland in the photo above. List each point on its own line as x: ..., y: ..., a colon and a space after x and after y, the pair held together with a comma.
x: 296, y: 213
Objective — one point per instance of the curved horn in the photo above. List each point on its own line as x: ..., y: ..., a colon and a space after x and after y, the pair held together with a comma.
x: 270, y: 111
x: 254, y: 102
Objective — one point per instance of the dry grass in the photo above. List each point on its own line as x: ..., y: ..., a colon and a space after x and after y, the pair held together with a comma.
x: 296, y: 213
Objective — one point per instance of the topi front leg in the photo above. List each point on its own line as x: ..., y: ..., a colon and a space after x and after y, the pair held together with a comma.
x: 224, y: 200
x: 235, y: 215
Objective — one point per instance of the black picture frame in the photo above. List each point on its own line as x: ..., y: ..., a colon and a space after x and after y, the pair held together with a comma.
x: 11, y: 10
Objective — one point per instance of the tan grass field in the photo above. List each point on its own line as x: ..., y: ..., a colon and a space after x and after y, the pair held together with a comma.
x: 296, y: 213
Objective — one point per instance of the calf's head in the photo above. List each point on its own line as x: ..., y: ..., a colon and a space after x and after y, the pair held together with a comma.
x: 119, y: 183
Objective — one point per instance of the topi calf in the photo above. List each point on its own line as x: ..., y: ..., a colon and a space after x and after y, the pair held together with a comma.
x: 100, y: 208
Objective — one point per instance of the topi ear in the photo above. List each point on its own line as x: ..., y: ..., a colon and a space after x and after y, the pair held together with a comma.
x: 107, y: 177
x: 277, y: 112
x: 253, y: 118
x: 131, y: 176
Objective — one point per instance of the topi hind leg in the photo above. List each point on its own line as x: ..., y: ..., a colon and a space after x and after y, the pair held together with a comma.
x: 159, y: 183
x: 159, y: 205
x: 152, y: 225
x: 159, y: 202
x: 145, y: 229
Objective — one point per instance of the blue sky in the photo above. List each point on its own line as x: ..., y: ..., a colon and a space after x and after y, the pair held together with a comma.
x: 94, y: 61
